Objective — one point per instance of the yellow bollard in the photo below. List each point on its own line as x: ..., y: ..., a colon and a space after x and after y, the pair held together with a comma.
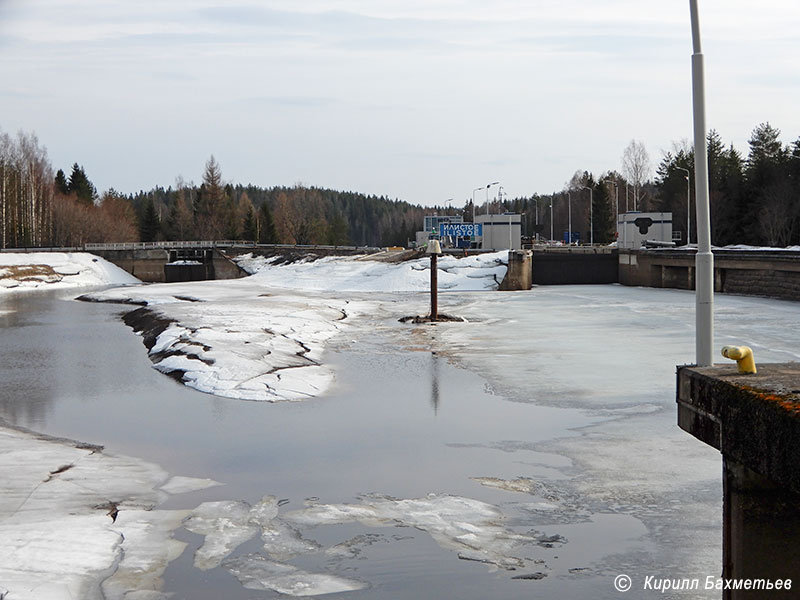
x: 743, y: 356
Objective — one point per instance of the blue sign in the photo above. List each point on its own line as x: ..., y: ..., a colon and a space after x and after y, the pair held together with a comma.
x: 460, y: 229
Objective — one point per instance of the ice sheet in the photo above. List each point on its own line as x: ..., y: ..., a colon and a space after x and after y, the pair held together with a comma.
x: 71, y: 515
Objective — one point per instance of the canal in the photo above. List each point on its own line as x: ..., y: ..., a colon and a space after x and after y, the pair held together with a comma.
x: 555, y: 407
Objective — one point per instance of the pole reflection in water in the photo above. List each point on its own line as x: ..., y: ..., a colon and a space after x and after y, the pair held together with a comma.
x: 435, y: 383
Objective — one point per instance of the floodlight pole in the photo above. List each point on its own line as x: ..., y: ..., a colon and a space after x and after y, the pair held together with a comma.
x: 704, y: 259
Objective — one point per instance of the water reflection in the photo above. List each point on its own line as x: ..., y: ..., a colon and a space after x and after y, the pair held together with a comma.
x: 25, y: 396
x: 435, y: 383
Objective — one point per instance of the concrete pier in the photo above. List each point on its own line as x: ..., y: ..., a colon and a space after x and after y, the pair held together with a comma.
x: 519, y: 273
x: 754, y: 421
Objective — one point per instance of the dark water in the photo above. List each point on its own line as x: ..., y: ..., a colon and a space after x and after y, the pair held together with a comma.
x: 397, y: 422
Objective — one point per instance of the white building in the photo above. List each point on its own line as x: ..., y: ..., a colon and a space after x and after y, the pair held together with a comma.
x: 501, y: 232
x: 634, y: 228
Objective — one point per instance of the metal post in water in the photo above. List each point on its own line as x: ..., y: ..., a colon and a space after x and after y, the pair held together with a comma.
x: 434, y: 290
x: 704, y: 259
x: 434, y: 249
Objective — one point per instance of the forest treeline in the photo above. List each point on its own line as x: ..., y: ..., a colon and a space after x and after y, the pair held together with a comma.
x: 754, y: 200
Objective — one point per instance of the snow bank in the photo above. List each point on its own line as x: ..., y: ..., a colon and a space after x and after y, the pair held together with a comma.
x: 71, y: 515
x: 360, y: 274
x: 49, y: 270
x: 233, y: 339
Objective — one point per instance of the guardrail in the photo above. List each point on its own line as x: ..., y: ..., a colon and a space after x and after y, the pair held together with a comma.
x: 219, y: 244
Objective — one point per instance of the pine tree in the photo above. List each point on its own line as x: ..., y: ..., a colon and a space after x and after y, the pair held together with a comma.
x: 149, y: 225
x: 180, y: 222
x: 61, y: 183
x: 602, y: 218
x: 769, y: 200
x: 267, y: 233
x: 210, y: 203
x: 337, y: 231
x: 250, y: 226
x: 80, y: 185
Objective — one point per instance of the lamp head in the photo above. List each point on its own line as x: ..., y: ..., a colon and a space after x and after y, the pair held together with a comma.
x: 434, y: 247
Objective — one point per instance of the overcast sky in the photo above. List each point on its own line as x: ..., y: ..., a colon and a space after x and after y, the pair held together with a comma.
x: 421, y: 100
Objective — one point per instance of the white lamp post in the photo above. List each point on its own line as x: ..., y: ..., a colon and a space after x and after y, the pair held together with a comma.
x: 487, y: 194
x: 704, y: 259
x: 591, y: 217
x: 569, y: 221
x: 688, y: 212
x: 473, y: 202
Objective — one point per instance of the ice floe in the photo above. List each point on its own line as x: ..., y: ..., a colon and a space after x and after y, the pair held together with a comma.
x: 472, y: 528
x: 72, y: 515
x: 257, y: 573
x: 38, y: 270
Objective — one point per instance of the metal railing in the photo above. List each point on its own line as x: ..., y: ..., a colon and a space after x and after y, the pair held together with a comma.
x: 219, y: 244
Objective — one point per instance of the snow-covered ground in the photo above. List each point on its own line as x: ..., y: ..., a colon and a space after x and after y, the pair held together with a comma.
x: 58, y: 270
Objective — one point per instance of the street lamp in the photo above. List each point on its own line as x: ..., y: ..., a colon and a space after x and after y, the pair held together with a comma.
x: 569, y: 221
x: 704, y: 259
x: 688, y: 212
x: 616, y: 196
x: 473, y: 202
x: 536, y: 200
x: 616, y: 204
x: 591, y: 217
x: 487, y: 194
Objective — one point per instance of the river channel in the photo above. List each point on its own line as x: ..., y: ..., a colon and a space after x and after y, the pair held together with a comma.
x: 413, y: 412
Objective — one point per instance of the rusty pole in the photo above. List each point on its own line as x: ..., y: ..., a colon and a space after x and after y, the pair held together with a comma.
x: 434, y: 290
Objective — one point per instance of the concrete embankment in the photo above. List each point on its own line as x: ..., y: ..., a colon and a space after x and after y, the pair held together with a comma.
x: 754, y: 421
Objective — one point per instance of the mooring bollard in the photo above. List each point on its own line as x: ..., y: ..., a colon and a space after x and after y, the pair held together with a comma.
x: 434, y: 249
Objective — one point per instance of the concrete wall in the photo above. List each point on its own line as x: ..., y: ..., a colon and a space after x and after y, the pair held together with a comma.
x: 147, y: 265
x: 774, y: 274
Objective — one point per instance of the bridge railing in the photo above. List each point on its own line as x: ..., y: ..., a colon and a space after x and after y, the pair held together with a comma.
x: 218, y: 244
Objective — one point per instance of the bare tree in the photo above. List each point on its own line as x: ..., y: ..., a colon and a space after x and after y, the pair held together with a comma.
x: 636, y: 168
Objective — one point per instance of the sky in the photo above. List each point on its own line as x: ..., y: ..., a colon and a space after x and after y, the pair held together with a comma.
x: 420, y: 100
